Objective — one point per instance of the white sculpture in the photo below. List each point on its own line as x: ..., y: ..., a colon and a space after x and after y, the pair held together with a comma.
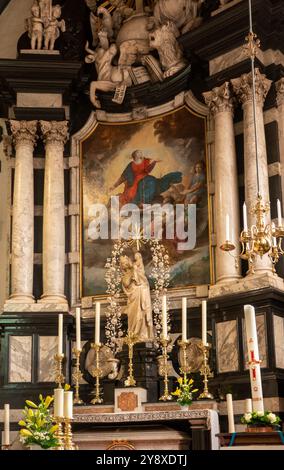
x: 136, y: 287
x: 164, y: 40
x: 183, y: 13
x: 44, y: 24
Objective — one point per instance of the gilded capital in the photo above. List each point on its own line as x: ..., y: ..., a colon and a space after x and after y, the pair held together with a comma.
x: 242, y: 87
x: 23, y: 132
x: 54, y: 131
x: 220, y: 99
x: 280, y: 91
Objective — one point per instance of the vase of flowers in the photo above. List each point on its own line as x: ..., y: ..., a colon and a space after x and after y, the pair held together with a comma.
x: 261, y: 421
x: 37, y: 429
x: 184, y: 391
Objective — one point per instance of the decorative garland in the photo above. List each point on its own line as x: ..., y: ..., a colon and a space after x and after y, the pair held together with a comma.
x: 160, y: 274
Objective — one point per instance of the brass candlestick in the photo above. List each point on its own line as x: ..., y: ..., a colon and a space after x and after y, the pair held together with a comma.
x: 206, y: 372
x: 97, y: 372
x: 164, y: 371
x: 59, y: 377
x: 77, y: 376
x: 130, y: 340
x: 59, y: 432
x: 68, y: 437
x: 184, y: 368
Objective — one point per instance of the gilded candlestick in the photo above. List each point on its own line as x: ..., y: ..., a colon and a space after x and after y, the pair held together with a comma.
x: 59, y: 377
x: 77, y: 376
x: 97, y: 372
x: 130, y: 340
x: 206, y: 372
x: 68, y: 437
x: 59, y: 433
x: 184, y: 368
x: 164, y: 370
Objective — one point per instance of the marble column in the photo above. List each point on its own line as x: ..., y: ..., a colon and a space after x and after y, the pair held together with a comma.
x: 243, y: 88
x: 55, y: 135
x: 24, y: 137
x: 280, y: 104
x: 220, y: 102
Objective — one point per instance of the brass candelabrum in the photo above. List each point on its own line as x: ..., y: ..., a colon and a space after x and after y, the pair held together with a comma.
x: 59, y: 376
x: 77, y: 376
x: 206, y: 372
x: 184, y: 368
x: 68, y: 437
x: 97, y: 372
x: 130, y: 340
x: 59, y: 432
x: 164, y: 370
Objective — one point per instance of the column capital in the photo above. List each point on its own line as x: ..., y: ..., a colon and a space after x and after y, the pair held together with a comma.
x: 23, y: 131
x: 220, y: 99
x: 54, y: 131
x: 280, y: 91
x: 243, y: 87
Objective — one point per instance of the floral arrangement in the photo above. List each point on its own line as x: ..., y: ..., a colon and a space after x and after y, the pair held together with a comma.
x: 259, y: 418
x: 37, y: 426
x: 184, y: 392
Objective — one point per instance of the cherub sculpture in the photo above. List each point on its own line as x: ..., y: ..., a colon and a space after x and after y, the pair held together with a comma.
x: 53, y: 27
x: 34, y: 26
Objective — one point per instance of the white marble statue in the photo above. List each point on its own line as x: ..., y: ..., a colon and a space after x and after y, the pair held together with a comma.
x: 136, y: 287
x: 109, y: 76
x: 164, y: 40
x: 52, y: 29
x: 44, y: 25
x: 185, y: 14
x: 34, y: 26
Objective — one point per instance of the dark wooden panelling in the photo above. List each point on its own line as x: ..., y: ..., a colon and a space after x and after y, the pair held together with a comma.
x: 272, y: 142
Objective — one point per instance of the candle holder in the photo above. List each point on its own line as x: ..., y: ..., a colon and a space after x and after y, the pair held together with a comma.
x: 77, y: 376
x: 59, y: 432
x: 97, y: 372
x: 59, y: 377
x: 68, y: 437
x: 206, y: 372
x: 184, y: 368
x: 164, y: 370
x: 130, y: 340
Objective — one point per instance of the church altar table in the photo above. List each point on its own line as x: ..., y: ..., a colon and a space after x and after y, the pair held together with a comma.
x: 201, y: 430
x: 252, y: 441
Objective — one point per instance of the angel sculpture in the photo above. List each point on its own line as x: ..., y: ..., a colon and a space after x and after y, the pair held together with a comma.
x: 53, y: 27
x: 34, y: 26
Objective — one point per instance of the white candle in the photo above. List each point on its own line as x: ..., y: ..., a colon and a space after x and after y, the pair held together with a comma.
x: 59, y: 403
x: 204, y: 322
x: 245, y: 217
x: 60, y: 334
x: 253, y: 355
x: 274, y: 241
x: 164, y: 317
x: 230, y: 409
x: 98, y: 321
x: 184, y: 319
x: 78, y: 329
x: 227, y: 228
x: 279, y: 214
x: 68, y: 405
x: 6, y: 440
x: 248, y: 405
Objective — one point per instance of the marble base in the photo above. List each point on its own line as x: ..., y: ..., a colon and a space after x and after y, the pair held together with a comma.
x: 248, y: 283
x: 39, y: 52
x: 35, y: 308
x: 129, y: 399
x: 21, y: 299
x: 53, y: 299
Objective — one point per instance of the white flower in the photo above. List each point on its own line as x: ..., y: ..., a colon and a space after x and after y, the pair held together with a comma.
x: 247, y: 417
x: 260, y: 413
x: 271, y: 417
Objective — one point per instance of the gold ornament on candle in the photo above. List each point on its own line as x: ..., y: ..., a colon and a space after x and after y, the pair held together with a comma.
x: 184, y: 368
x: 97, y: 373
x: 77, y: 376
x: 59, y: 377
x: 130, y: 340
x: 164, y: 370
x: 68, y: 437
x: 206, y: 372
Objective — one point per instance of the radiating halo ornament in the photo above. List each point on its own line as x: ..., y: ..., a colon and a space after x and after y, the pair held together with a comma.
x: 160, y: 275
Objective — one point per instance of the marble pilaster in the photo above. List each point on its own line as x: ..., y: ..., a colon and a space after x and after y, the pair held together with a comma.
x: 243, y: 88
x: 24, y: 137
x: 220, y: 102
x: 280, y: 105
x: 55, y: 134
